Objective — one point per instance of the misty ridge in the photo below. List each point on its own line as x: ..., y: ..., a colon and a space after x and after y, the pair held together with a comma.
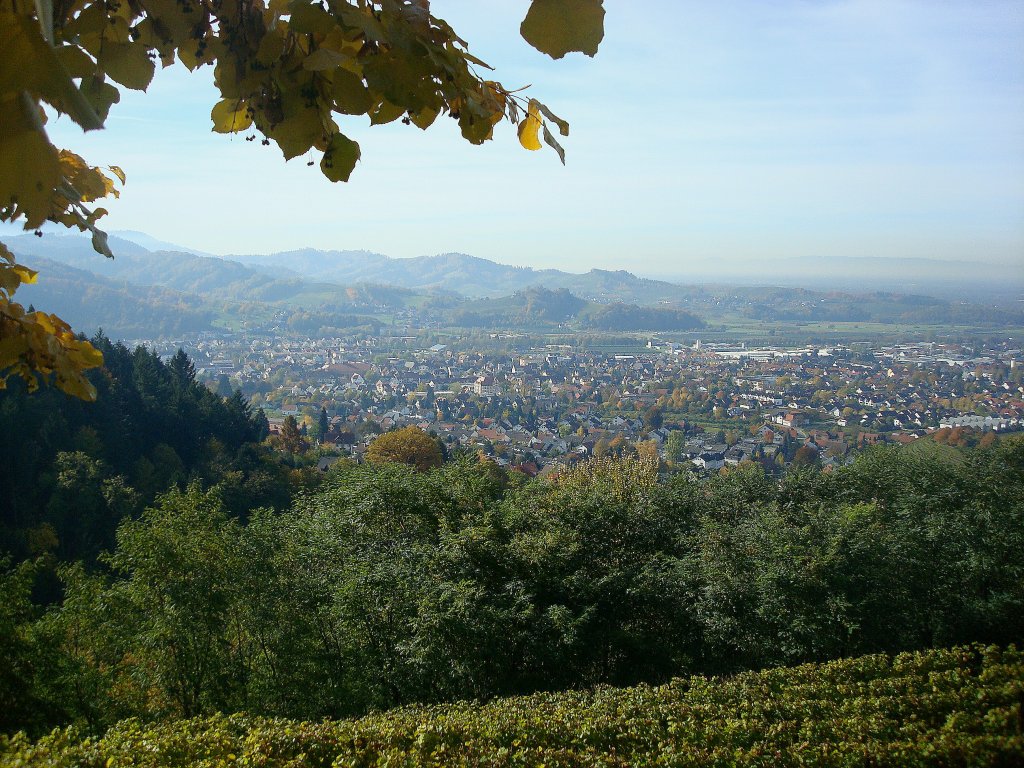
x: 967, y: 279
x: 153, y: 288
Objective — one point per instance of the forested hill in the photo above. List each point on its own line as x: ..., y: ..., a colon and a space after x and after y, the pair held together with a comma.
x: 205, y: 276
x: 314, y: 276
x: 264, y: 291
x: 467, y: 275
x: 72, y: 471
x: 538, y: 306
x: 122, y: 310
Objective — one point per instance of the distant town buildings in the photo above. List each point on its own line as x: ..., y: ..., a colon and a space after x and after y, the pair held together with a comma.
x: 729, y: 404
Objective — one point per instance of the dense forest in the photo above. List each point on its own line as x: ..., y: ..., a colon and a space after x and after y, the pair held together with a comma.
x: 536, y: 306
x: 163, y: 562
x: 71, y: 470
x: 629, y: 317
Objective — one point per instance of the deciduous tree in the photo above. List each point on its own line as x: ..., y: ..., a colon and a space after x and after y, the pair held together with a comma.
x: 291, y: 438
x: 410, y: 445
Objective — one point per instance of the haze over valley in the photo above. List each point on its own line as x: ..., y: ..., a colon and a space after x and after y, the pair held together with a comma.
x: 178, y: 290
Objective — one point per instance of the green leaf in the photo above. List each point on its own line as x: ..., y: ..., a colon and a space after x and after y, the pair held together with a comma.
x: 308, y: 19
x: 424, y: 118
x: 340, y: 158
x: 474, y: 60
x: 271, y: 47
x: 551, y: 142
x: 76, y: 61
x: 90, y: 23
x: 302, y: 126
x: 351, y: 96
x: 386, y: 113
x: 362, y: 19
x: 557, y: 27
x: 297, y: 134
x: 321, y: 59
x: 172, y: 20
x: 404, y: 81
x: 563, y: 126
x: 128, y: 64
x: 100, y: 95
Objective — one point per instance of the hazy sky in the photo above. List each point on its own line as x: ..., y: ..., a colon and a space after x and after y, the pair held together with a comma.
x: 702, y: 132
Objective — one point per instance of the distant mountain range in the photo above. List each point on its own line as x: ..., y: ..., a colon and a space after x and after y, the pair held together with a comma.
x: 208, y: 276
x: 466, y: 275
x: 174, y: 290
x: 315, y: 278
x: 151, y: 243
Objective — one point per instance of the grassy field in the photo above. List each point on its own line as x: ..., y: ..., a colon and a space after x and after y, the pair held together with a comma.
x: 737, y: 328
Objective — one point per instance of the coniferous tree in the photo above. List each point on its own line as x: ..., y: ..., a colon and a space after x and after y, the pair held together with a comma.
x: 323, y: 425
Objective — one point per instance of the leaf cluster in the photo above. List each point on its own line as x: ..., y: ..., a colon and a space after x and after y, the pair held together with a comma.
x: 288, y: 69
x: 38, y: 345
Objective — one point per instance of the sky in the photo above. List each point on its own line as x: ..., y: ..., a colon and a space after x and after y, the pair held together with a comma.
x: 702, y: 134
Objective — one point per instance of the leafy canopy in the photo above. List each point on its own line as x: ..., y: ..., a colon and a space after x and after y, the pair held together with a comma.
x: 288, y: 70
x: 410, y: 445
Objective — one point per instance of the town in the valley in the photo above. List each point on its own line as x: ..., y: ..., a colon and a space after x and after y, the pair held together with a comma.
x: 704, y: 406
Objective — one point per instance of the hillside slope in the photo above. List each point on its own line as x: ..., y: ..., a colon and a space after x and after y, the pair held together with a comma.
x: 367, y: 282
x: 943, y: 707
x: 122, y: 310
x: 206, y: 276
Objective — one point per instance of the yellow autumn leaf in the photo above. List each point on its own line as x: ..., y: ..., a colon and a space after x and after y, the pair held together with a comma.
x: 25, y: 275
x: 230, y: 115
x: 529, y: 129
x: 29, y: 168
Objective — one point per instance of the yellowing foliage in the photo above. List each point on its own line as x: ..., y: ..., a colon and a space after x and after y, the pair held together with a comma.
x: 34, y: 344
x: 530, y: 127
x: 959, y: 706
x: 410, y: 445
x: 284, y: 69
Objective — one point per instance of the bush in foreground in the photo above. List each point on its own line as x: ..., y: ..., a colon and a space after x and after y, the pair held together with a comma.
x: 961, y: 706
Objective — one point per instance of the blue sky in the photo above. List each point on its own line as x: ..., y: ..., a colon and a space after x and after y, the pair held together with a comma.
x: 702, y: 133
